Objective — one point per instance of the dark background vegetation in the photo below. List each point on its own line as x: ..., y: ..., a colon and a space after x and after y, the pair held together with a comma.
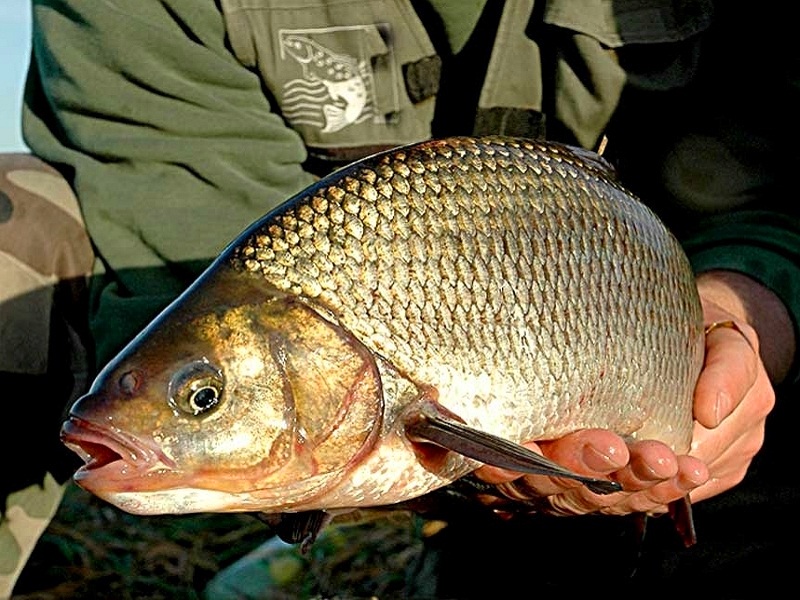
x: 93, y: 550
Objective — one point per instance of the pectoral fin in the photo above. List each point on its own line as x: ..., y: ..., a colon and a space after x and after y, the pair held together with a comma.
x: 425, y: 427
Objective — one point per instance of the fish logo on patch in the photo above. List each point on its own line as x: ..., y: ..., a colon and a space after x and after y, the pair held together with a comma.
x: 335, y: 89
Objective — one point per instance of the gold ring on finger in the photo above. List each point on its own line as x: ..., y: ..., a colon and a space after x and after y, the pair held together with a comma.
x: 729, y: 324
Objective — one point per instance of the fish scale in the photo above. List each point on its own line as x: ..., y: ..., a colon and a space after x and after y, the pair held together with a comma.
x: 542, y: 271
x: 392, y: 327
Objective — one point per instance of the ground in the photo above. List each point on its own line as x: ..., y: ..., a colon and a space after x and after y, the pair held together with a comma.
x: 93, y: 550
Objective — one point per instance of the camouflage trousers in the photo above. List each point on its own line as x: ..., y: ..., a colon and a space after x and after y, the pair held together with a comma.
x: 45, y: 261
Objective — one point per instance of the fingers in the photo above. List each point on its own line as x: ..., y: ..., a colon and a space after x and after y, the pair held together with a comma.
x: 738, y: 438
x: 652, y: 479
x: 593, y: 452
x: 588, y: 451
x: 730, y: 371
x: 655, y: 495
x: 729, y: 448
x: 734, y: 394
x: 649, y: 471
x: 732, y: 399
x: 653, y: 498
x: 651, y: 462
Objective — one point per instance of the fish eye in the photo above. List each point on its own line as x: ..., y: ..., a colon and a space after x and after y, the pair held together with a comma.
x: 196, y: 388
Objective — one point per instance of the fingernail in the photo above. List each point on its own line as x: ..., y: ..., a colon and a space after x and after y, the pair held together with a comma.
x: 656, y: 471
x: 721, y: 407
x: 601, y: 460
x: 692, y: 479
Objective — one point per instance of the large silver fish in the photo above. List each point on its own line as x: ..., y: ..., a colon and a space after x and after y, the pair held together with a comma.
x: 395, y: 325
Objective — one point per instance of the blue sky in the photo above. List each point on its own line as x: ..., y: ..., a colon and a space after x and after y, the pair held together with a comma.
x: 14, y: 49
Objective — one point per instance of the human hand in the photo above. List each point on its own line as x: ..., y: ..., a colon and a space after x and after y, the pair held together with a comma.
x: 651, y: 474
x: 732, y: 399
x: 734, y: 394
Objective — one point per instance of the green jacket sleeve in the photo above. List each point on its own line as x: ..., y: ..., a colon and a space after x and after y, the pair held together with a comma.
x: 170, y: 144
x: 764, y: 245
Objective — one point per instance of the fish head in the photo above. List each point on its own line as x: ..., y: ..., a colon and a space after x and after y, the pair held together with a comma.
x: 237, y: 397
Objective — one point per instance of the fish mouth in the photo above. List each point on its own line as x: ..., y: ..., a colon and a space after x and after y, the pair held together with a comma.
x: 108, y: 455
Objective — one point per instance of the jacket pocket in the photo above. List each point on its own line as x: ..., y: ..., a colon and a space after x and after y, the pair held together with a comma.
x: 349, y: 76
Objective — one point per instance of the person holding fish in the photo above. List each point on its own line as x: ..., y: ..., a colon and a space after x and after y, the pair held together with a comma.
x: 196, y: 119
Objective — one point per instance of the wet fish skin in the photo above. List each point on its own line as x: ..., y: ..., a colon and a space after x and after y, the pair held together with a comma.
x: 468, y: 256
x: 512, y: 285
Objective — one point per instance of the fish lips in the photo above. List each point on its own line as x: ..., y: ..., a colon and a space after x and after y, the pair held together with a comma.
x: 111, y: 457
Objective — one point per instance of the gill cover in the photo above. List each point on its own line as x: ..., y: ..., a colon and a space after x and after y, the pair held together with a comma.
x: 273, y: 349
x: 331, y: 388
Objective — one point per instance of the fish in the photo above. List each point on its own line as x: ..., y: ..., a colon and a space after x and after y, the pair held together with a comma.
x: 388, y: 330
